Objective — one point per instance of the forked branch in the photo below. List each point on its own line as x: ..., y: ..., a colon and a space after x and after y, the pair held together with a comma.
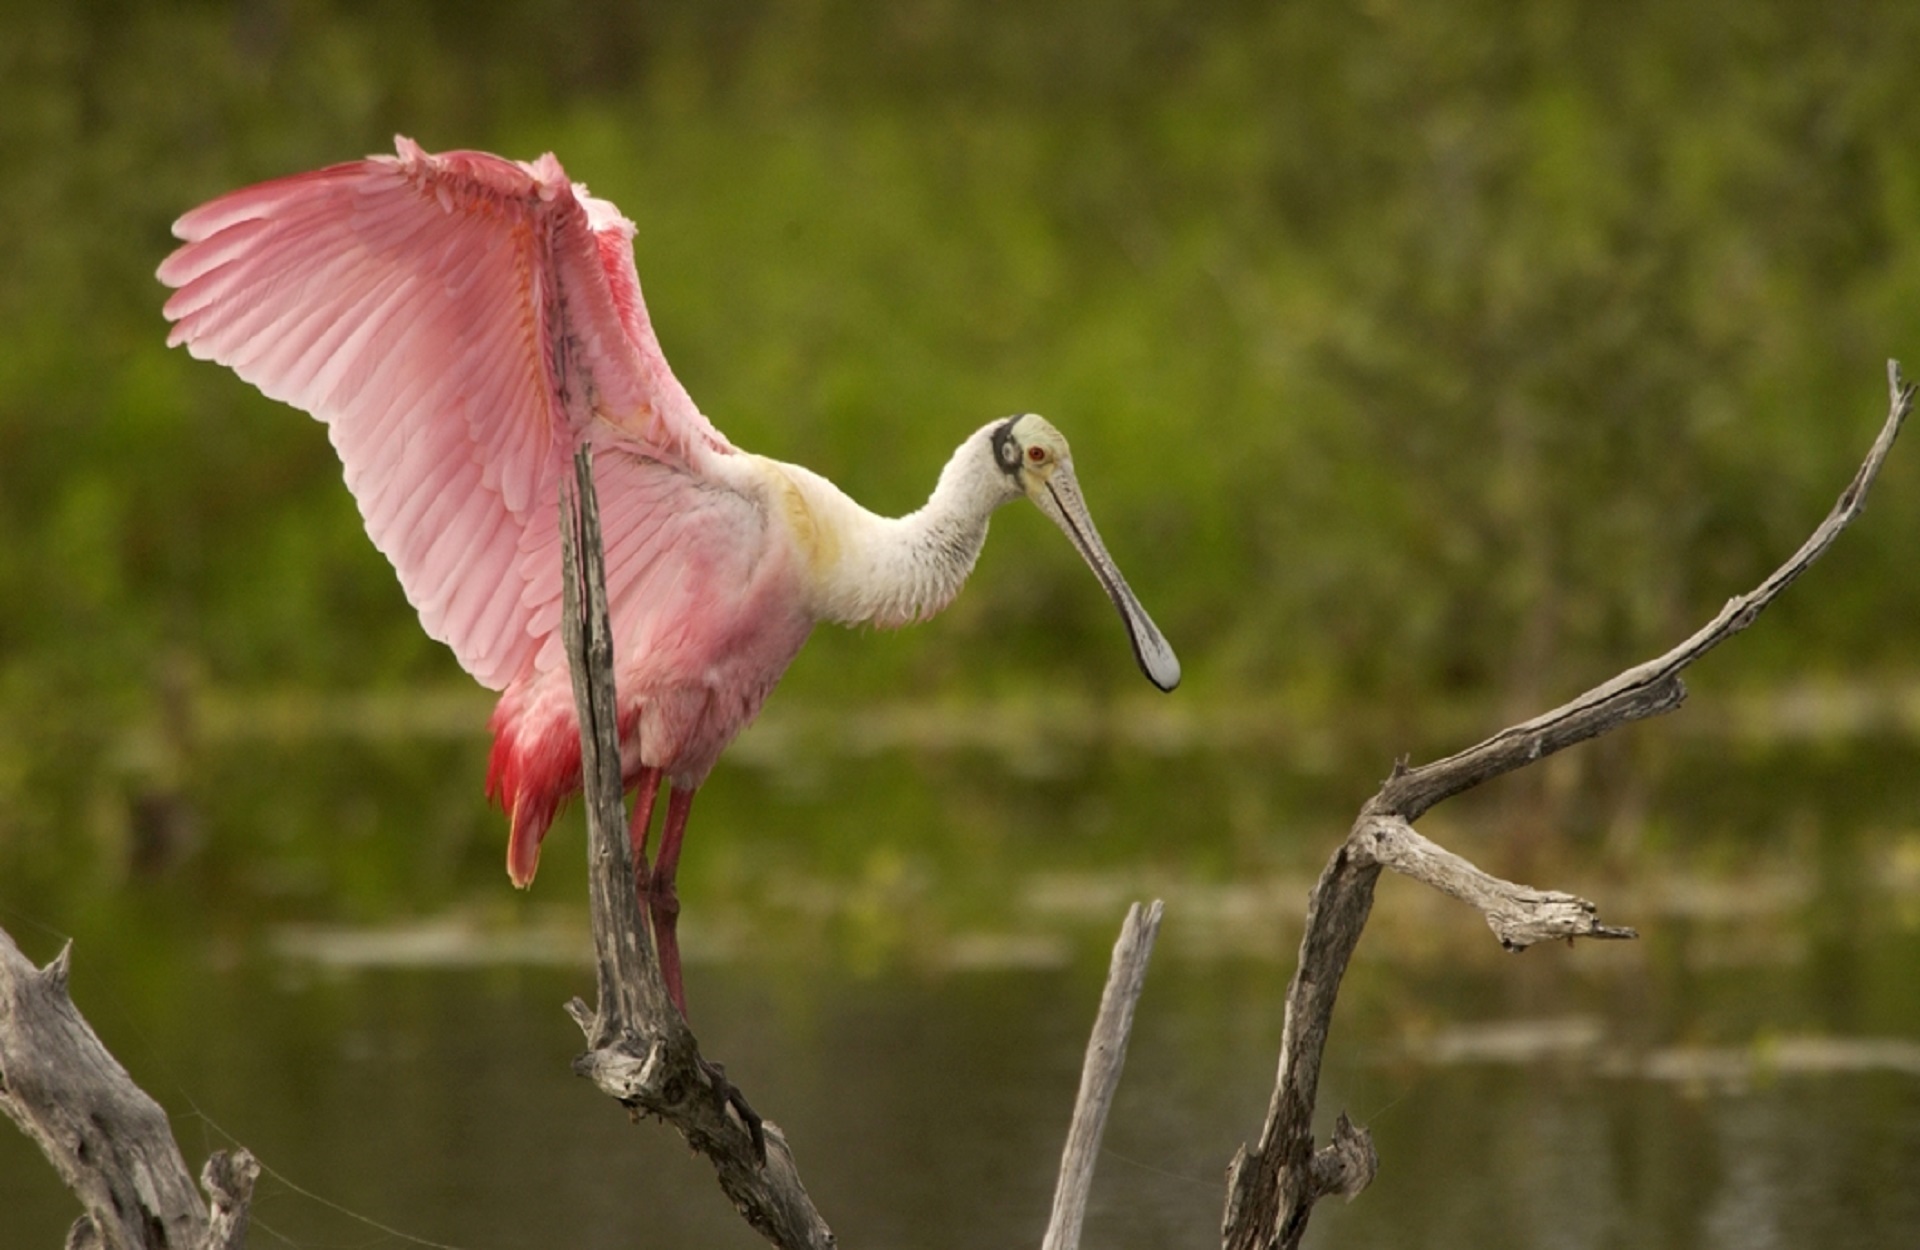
x: 1273, y: 1185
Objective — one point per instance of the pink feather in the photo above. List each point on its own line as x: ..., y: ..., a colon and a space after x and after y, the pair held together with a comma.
x: 461, y: 323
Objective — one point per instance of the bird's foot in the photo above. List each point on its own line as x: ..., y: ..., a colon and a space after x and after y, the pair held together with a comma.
x: 727, y: 1094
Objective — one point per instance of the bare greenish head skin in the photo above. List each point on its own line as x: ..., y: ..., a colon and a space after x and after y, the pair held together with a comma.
x: 1028, y: 449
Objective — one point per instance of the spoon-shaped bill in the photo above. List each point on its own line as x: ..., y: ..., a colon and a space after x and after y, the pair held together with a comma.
x: 1059, y: 497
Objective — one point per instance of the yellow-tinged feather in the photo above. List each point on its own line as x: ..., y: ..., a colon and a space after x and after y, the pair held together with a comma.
x: 814, y: 536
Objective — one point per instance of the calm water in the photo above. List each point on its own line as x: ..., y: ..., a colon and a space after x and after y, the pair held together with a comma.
x: 1524, y: 1105
x: 1746, y: 1076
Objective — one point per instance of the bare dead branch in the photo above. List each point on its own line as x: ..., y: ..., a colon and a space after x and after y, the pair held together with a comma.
x: 1272, y: 1187
x: 1519, y: 915
x: 1650, y: 688
x: 640, y: 1050
x: 1100, y: 1074
x: 109, y: 1141
x: 228, y: 1179
x: 632, y: 992
x: 1346, y: 1164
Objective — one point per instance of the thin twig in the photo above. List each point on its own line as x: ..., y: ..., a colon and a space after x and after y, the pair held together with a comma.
x: 1272, y: 1187
x: 1646, y: 689
x: 1100, y: 1075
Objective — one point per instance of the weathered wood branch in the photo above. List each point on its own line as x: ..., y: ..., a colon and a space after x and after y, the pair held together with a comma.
x: 640, y: 1049
x: 1100, y: 1074
x: 1519, y: 915
x: 1646, y: 689
x: 1273, y: 1185
x: 109, y: 1141
x: 228, y: 1179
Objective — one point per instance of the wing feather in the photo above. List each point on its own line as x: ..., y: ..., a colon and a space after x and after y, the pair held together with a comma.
x: 459, y: 322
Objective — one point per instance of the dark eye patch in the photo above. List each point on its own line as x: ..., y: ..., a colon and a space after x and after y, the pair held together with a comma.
x: 1005, y: 450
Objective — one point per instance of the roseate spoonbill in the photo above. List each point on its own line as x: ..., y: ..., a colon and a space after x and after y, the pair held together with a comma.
x: 461, y: 323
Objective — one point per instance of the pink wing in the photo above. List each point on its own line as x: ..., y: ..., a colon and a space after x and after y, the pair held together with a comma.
x: 459, y: 321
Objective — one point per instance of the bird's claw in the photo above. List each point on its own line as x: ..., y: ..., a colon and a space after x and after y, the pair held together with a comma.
x: 727, y: 1094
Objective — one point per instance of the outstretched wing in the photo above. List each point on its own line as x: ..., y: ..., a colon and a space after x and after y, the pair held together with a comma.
x: 460, y: 322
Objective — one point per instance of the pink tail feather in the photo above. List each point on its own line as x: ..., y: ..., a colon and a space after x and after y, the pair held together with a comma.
x: 532, y: 817
x: 530, y: 776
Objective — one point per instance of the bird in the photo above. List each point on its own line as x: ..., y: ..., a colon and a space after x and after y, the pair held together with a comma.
x: 461, y: 323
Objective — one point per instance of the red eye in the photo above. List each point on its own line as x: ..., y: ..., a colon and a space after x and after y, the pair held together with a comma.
x: 1036, y: 454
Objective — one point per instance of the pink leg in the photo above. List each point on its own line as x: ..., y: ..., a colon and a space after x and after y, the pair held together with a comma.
x: 665, y: 904
x: 643, y: 796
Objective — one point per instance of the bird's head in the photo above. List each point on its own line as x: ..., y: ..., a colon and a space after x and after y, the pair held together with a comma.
x: 1037, y: 463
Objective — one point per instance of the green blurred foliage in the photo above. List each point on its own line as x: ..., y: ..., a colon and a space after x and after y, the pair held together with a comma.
x: 1412, y: 353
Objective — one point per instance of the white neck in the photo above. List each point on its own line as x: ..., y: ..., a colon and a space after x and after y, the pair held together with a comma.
x: 890, y: 571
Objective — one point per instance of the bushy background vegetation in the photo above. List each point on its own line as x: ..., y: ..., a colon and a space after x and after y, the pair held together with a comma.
x: 1415, y: 356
